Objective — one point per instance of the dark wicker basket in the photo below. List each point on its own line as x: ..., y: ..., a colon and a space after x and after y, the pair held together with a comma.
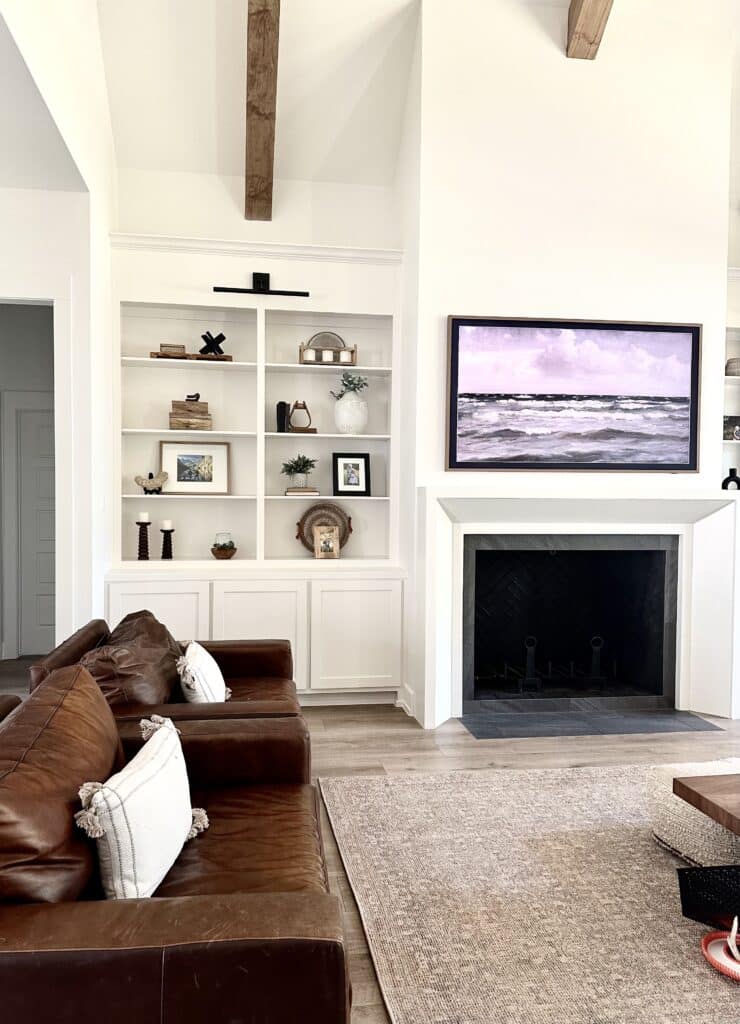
x: 710, y: 895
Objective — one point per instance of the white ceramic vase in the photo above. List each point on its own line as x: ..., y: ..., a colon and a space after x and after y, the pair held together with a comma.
x: 350, y: 414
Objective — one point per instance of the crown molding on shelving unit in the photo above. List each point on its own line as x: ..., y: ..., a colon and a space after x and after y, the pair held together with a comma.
x: 257, y: 250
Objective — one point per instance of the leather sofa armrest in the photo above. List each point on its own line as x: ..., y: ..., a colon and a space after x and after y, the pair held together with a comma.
x: 8, y: 702
x: 182, y: 712
x: 186, y: 959
x: 247, y: 751
x: 240, y: 659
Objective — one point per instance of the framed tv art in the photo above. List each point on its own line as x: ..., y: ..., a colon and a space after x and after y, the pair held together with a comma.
x: 577, y: 395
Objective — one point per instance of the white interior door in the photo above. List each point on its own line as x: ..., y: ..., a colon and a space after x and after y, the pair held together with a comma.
x: 36, y: 552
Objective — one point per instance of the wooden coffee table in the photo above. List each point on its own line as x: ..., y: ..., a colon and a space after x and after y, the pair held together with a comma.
x: 717, y: 796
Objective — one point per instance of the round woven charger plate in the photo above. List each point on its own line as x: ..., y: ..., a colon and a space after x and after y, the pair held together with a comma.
x: 323, y: 513
x: 717, y: 953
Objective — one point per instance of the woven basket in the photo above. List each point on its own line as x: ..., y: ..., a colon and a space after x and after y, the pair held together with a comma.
x: 732, y: 368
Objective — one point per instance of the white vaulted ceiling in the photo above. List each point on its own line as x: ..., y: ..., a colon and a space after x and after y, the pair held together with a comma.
x: 176, y: 72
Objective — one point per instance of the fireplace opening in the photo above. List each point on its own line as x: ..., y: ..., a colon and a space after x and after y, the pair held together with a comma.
x: 570, y: 617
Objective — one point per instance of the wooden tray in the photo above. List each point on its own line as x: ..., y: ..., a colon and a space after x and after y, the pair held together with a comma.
x: 195, y: 356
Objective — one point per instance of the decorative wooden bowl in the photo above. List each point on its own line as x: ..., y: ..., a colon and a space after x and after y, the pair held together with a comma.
x: 223, y: 554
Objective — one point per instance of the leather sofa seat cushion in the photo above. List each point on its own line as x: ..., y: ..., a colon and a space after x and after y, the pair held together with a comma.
x: 261, y: 839
x: 61, y: 736
x: 137, y: 663
x: 265, y: 688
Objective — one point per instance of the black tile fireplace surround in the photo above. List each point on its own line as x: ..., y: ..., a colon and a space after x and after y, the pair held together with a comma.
x: 558, y: 621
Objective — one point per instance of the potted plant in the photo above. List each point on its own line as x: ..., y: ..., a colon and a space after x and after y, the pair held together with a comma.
x: 350, y: 412
x: 223, y: 547
x: 297, y: 470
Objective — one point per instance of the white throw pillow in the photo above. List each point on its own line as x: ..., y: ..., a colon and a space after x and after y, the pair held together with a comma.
x: 200, y: 677
x: 141, y: 817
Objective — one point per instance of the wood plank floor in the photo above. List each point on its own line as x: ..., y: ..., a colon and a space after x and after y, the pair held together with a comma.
x: 378, y: 740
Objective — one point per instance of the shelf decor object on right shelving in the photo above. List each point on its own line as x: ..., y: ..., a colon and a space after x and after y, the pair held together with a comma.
x: 328, y: 348
x: 350, y: 412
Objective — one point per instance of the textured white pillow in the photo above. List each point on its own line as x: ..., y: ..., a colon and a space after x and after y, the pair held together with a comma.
x: 200, y: 677
x: 141, y: 817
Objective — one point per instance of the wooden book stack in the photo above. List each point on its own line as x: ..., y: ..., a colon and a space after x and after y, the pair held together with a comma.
x: 190, y: 416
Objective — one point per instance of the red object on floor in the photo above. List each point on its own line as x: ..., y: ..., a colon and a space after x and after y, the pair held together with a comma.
x: 717, y: 953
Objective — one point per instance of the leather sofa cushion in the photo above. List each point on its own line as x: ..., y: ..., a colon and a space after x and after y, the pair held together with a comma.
x: 63, y: 735
x: 137, y: 663
x: 261, y: 839
x: 266, y: 688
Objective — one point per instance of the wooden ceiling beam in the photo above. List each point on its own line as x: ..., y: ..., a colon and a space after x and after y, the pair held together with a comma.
x: 263, y: 26
x: 586, y: 23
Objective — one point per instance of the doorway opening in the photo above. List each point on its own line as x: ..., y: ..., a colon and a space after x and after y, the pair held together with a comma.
x: 27, y: 505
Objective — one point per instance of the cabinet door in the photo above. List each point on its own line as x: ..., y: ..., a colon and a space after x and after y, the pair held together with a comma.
x: 356, y: 635
x: 264, y: 610
x: 182, y: 605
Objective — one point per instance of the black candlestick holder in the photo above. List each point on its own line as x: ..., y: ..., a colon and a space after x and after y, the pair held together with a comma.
x: 167, y: 544
x: 143, y: 541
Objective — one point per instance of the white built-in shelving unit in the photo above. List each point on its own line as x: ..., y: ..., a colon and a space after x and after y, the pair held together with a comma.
x: 242, y: 396
x: 730, y: 455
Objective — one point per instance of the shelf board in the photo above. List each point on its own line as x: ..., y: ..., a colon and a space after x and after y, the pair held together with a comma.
x: 189, y: 433
x: 347, y: 437
x: 185, y: 364
x: 327, y: 497
x: 191, y: 497
x: 374, y: 371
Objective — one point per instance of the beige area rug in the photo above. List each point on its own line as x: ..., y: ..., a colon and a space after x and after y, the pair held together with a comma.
x: 523, y: 897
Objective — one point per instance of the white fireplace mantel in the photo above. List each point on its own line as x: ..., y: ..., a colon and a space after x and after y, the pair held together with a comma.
x: 708, y: 641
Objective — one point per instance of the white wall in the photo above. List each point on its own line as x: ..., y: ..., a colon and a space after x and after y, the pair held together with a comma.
x: 187, y: 204
x: 60, y: 43
x: 566, y: 188
x: 44, y: 256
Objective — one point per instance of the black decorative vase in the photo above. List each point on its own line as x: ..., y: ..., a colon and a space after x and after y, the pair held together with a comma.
x: 733, y: 480
x: 283, y: 411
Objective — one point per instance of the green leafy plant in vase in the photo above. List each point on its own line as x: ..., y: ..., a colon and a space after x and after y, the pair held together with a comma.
x: 297, y: 470
x: 350, y: 412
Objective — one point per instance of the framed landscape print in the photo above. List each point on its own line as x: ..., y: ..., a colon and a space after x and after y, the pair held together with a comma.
x: 195, y: 468
x: 556, y: 394
x: 351, y: 475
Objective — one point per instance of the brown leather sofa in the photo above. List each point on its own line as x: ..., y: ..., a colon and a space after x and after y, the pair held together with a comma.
x: 259, y: 673
x: 242, y: 929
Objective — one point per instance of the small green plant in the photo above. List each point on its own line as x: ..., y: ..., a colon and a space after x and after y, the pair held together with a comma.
x: 225, y: 545
x: 350, y: 382
x: 300, y: 464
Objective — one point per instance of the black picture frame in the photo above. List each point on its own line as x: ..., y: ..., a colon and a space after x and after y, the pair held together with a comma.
x: 454, y: 459
x: 341, y: 490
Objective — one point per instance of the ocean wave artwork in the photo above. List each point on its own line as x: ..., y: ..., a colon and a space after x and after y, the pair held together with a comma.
x: 540, y: 395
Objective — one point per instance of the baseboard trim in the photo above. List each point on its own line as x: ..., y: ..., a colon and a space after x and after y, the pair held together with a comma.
x: 347, y: 698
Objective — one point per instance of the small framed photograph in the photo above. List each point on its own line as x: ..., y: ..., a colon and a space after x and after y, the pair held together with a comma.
x: 326, y: 541
x: 731, y: 428
x: 195, y: 468
x: 351, y: 475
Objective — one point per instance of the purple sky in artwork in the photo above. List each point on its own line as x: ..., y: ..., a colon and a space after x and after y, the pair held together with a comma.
x: 579, y: 361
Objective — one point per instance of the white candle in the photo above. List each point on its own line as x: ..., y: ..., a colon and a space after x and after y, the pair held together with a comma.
x: 327, y: 356
x: 143, y: 517
x: 166, y: 524
x: 309, y: 355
